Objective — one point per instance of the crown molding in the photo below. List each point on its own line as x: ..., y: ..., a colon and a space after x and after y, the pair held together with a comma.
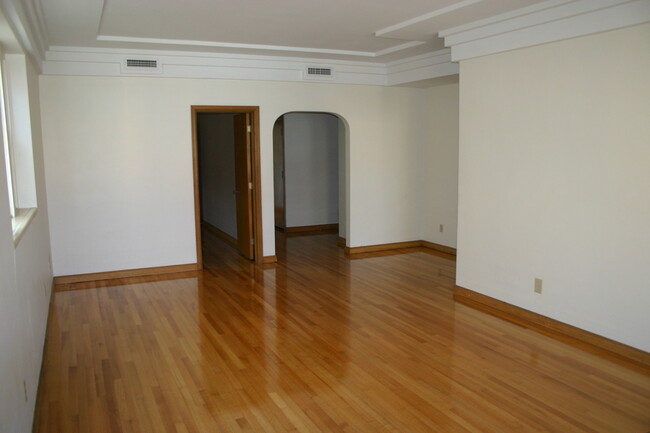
x: 275, y: 48
x: 183, y: 64
x: 550, y: 21
x: 26, y: 21
x: 425, y: 17
x: 423, y: 67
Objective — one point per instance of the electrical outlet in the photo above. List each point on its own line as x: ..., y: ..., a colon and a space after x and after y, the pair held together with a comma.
x: 442, y: 228
x: 538, y: 285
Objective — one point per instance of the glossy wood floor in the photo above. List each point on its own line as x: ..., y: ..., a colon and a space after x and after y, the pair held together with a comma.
x: 319, y: 343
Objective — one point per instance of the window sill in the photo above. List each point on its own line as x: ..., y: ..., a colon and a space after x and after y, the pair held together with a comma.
x: 21, y: 221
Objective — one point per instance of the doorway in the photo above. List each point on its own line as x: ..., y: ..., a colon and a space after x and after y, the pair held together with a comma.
x: 309, y: 160
x: 246, y: 185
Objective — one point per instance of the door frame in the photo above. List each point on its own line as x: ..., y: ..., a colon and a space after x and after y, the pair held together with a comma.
x: 254, y: 112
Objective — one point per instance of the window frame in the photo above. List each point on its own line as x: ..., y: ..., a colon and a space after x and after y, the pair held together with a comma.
x: 21, y: 217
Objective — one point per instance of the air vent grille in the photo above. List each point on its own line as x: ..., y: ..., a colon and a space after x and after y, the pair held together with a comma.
x: 319, y: 71
x: 140, y: 63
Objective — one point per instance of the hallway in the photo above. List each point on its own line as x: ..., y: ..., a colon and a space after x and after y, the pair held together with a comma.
x: 316, y: 343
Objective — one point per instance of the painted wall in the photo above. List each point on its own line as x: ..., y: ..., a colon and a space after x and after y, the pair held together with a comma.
x: 438, y: 169
x: 217, y: 171
x: 119, y: 175
x: 555, y: 181
x: 311, y: 169
x: 25, y: 289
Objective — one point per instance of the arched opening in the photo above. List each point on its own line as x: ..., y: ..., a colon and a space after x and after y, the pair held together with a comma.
x: 310, y: 174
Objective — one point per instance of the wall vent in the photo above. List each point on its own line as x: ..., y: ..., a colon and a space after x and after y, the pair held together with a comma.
x: 141, y: 65
x: 318, y: 73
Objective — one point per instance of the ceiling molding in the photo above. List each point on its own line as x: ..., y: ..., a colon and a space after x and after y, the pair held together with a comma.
x: 183, y: 64
x: 424, y: 67
x: 425, y: 17
x: 545, y: 22
x: 26, y: 20
x: 396, y: 48
x: 280, y: 48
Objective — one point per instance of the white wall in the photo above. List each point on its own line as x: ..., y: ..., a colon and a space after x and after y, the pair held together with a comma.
x: 555, y: 181
x: 217, y: 171
x: 119, y: 168
x: 438, y: 169
x: 311, y: 169
x: 25, y: 289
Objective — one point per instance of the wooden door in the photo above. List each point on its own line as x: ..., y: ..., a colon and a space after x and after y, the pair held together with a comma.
x: 243, y: 185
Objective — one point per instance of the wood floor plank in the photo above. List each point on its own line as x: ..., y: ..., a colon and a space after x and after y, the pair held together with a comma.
x: 319, y: 342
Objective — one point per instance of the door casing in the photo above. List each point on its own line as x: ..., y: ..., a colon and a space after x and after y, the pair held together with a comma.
x: 253, y: 113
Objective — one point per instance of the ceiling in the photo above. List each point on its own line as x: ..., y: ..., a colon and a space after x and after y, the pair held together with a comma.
x: 378, y: 31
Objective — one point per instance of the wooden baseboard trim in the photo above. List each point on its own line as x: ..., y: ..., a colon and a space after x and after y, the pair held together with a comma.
x: 316, y: 228
x: 341, y: 242
x: 399, y: 246
x: 98, y: 276
x: 439, y: 248
x: 610, y: 349
x: 382, y: 247
x: 269, y: 259
x: 219, y: 233
x: 39, y: 385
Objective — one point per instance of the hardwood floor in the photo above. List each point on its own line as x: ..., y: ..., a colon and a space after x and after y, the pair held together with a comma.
x: 318, y: 343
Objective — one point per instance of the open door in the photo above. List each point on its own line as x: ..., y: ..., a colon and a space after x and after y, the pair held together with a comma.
x: 244, y: 185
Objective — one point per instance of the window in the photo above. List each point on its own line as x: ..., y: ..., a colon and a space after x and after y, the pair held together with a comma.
x: 17, y: 141
x: 5, y: 145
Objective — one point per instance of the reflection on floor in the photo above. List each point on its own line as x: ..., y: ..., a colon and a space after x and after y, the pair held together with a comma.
x: 318, y: 343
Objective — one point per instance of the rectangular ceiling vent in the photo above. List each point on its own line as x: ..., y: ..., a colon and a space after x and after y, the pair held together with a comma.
x: 140, y: 63
x: 318, y: 73
x: 147, y: 65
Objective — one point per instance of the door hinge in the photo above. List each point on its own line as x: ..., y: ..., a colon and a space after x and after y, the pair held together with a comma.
x: 248, y: 128
x: 252, y: 241
x: 250, y: 185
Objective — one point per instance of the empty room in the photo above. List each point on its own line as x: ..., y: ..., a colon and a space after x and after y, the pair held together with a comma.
x: 300, y: 216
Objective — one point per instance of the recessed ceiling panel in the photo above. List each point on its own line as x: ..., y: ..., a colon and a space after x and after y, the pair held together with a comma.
x: 474, y: 11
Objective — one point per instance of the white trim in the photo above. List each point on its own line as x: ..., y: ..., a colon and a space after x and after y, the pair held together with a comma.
x: 418, y: 68
x: 550, y: 21
x: 106, y: 62
x: 184, y: 42
x: 26, y: 20
x: 503, y: 17
x: 399, y: 48
x: 183, y: 64
x: 215, y: 44
x: 425, y: 17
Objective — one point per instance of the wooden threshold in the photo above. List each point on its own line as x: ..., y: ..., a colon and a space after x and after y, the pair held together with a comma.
x: 610, y: 349
x: 99, y: 276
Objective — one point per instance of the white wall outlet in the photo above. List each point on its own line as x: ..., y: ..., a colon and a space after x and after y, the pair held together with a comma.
x: 442, y: 228
x: 538, y: 285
